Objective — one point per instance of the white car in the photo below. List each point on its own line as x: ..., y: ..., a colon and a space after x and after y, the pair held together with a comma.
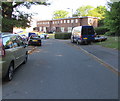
x: 44, y: 36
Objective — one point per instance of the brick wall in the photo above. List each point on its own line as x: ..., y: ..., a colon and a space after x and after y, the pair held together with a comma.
x: 66, y: 24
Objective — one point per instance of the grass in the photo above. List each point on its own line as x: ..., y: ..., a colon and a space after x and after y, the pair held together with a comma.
x: 111, y: 42
x: 51, y: 36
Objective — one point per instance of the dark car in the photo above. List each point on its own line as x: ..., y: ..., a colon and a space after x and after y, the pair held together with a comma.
x: 34, y: 40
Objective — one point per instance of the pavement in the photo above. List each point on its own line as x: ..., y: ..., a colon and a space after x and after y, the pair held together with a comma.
x: 108, y: 56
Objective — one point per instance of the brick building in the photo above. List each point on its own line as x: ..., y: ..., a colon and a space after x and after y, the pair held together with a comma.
x: 65, y: 24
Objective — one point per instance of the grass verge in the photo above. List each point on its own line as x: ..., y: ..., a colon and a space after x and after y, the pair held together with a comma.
x: 111, y: 42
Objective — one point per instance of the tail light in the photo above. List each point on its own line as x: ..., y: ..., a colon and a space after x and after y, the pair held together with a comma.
x: 2, y: 50
x: 80, y: 36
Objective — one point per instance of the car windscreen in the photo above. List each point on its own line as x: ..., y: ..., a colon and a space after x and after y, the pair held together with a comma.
x: 88, y: 30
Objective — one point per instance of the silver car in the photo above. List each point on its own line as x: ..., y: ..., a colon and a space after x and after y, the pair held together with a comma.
x: 13, y: 52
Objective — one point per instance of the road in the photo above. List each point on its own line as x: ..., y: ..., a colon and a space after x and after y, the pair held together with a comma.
x: 57, y: 70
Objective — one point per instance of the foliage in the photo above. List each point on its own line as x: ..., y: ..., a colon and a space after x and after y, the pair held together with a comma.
x: 62, y: 35
x: 112, y: 20
x: 60, y: 14
x: 109, y: 33
x: 12, y: 17
x: 83, y: 10
x: 91, y: 11
x: 99, y: 11
x: 101, y: 30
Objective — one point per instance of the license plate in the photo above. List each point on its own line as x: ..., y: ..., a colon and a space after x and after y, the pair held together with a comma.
x: 34, y: 40
x: 84, y: 38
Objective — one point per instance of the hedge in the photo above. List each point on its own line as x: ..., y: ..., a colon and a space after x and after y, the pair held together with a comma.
x: 60, y: 35
x: 101, y: 30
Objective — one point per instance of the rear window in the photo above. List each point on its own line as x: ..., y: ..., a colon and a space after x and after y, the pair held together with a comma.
x: 89, y: 30
x: 34, y: 37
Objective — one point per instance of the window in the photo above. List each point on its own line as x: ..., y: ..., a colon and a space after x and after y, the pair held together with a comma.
x: 19, y: 41
x: 72, y: 21
x: 68, y: 21
x: 64, y: 21
x: 61, y: 21
x: 40, y: 28
x: 7, y: 42
x: 62, y: 29
x: 69, y: 29
x: 76, y: 20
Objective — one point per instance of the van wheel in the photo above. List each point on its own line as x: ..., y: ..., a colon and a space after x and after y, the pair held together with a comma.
x: 26, y: 58
x: 10, y: 72
x: 72, y: 40
x: 78, y: 42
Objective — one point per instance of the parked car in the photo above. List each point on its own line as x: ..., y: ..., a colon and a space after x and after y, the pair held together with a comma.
x: 99, y: 38
x: 34, y: 40
x: 44, y: 36
x: 83, y: 34
x: 13, y: 52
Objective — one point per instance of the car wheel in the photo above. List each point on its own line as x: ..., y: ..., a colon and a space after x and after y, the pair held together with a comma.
x: 26, y: 58
x: 10, y: 72
x: 40, y: 44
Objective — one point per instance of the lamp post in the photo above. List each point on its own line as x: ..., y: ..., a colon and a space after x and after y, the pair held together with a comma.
x: 71, y: 11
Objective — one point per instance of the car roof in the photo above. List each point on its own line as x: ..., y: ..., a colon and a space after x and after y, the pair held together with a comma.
x: 5, y: 34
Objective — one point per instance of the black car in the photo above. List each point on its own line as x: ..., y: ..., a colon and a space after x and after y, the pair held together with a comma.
x: 34, y: 40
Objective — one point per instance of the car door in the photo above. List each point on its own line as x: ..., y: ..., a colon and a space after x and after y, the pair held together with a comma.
x: 21, y: 48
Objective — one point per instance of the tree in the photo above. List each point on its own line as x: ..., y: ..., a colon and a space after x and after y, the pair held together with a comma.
x: 112, y: 18
x: 12, y: 17
x: 99, y: 11
x: 83, y: 10
x: 60, y: 14
x: 91, y: 11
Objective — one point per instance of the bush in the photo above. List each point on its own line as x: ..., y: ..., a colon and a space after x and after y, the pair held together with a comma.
x: 110, y: 33
x: 101, y: 30
x: 62, y: 35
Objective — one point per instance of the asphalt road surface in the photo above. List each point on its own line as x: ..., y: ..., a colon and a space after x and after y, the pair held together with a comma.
x: 57, y: 70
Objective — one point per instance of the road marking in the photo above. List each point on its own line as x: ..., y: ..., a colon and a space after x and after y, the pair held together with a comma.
x: 110, y: 67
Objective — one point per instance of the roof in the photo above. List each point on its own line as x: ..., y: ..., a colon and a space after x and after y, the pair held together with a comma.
x: 71, y: 18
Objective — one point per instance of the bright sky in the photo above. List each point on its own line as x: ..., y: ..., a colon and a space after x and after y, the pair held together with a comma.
x: 46, y: 12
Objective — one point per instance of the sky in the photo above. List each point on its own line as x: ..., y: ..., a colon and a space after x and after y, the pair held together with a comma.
x: 46, y: 12
x: 42, y: 12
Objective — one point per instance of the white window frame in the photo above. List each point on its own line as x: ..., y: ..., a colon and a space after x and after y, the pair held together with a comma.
x: 62, y: 29
x: 76, y: 20
x: 69, y: 29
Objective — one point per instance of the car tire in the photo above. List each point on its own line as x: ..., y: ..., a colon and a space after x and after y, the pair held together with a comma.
x: 26, y: 58
x: 10, y: 72
x: 40, y: 44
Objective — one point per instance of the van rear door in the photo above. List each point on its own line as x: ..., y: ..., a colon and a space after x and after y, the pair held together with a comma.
x: 88, y: 33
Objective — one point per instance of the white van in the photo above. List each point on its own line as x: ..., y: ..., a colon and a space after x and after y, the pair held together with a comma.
x: 83, y: 34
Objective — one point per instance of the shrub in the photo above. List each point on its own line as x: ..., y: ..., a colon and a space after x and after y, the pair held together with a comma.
x: 60, y: 35
x: 110, y: 33
x: 101, y: 30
